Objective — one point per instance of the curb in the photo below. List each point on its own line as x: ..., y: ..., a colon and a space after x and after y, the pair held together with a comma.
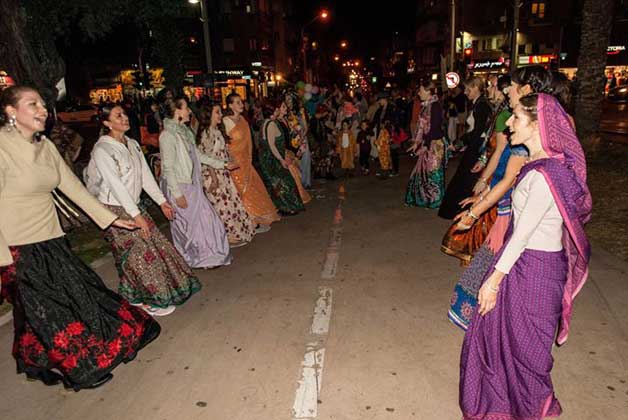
x: 8, y: 317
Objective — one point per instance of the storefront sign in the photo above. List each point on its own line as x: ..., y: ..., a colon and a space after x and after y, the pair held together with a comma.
x: 536, y: 59
x: 230, y: 72
x: 489, y: 65
x: 615, y: 49
x: 256, y: 64
x: 5, y: 80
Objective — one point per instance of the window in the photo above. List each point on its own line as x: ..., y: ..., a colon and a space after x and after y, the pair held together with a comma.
x: 228, y: 45
x: 253, y: 44
x: 538, y: 9
x: 522, y: 48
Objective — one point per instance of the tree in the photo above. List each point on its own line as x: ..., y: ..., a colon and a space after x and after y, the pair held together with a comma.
x: 29, y: 30
x: 597, y: 19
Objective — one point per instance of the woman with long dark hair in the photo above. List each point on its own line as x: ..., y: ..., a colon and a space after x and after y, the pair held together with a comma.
x: 68, y: 326
x: 427, y: 181
x: 496, y: 194
x: 152, y: 273
x: 246, y: 179
x: 526, y: 299
x: 274, y: 164
x: 197, y: 231
x: 217, y: 180
x: 461, y: 185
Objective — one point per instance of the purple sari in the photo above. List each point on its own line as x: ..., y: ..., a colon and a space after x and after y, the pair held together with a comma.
x: 506, y: 357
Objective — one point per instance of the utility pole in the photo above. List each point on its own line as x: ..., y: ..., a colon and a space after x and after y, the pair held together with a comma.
x: 514, y: 38
x: 452, y: 52
x: 206, y: 37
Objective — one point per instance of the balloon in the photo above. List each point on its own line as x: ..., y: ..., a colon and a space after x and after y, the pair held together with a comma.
x: 307, y: 96
x: 315, y: 90
x: 300, y: 84
x: 308, y: 87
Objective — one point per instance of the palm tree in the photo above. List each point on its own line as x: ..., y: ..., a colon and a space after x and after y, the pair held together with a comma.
x: 597, y: 19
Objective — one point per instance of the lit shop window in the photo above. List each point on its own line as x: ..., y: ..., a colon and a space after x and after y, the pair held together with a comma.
x: 538, y: 9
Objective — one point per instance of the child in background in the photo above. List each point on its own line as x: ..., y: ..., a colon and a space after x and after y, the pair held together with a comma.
x: 383, y: 149
x: 364, y: 144
x: 346, y: 147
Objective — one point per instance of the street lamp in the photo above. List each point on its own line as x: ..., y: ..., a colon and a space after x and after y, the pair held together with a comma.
x: 206, y: 38
x: 322, y: 15
x: 344, y: 44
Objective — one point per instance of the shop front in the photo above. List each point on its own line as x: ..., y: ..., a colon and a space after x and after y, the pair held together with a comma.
x: 5, y: 80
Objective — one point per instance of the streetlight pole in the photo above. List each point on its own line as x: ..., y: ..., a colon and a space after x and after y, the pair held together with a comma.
x: 514, y: 41
x: 206, y: 37
x: 322, y: 15
x: 452, y: 52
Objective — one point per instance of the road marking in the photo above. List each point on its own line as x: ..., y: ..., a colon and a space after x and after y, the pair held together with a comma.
x: 322, y: 312
x: 309, y: 386
x: 306, y: 399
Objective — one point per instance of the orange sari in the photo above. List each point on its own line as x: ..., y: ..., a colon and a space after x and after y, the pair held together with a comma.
x: 246, y: 179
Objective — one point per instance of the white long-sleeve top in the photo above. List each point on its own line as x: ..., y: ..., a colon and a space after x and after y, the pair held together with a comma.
x: 537, y: 221
x: 117, y: 174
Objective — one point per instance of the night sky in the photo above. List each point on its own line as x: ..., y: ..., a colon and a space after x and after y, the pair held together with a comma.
x: 363, y: 24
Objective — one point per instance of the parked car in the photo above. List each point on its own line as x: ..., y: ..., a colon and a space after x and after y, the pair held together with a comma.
x: 618, y: 94
x: 78, y: 113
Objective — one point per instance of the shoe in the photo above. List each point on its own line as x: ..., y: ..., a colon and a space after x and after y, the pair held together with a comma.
x: 108, y: 377
x: 238, y: 244
x: 155, y: 311
x: 262, y: 228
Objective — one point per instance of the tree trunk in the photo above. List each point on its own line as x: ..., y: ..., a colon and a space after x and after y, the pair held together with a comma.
x: 597, y: 18
x: 15, y: 53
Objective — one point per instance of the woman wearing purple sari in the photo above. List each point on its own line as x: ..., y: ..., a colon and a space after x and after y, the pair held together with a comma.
x: 506, y: 356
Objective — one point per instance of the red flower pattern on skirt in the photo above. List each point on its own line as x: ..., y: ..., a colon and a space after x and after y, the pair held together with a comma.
x: 73, y: 345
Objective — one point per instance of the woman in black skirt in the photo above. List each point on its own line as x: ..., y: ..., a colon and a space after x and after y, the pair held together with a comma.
x: 461, y: 185
x: 68, y: 326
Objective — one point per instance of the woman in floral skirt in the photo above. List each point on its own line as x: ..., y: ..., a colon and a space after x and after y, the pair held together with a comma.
x: 217, y: 182
x: 153, y: 274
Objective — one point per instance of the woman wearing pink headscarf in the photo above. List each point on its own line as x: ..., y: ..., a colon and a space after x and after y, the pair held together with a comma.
x: 527, y: 296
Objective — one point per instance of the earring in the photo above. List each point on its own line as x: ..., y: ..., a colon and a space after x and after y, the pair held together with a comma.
x: 12, y: 122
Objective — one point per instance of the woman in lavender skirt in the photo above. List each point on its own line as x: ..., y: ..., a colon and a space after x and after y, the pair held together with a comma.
x: 197, y: 231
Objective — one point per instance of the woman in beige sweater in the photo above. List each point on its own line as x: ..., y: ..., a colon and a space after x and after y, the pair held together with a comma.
x: 68, y: 326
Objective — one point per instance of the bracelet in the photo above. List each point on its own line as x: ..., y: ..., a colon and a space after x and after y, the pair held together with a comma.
x: 493, y: 289
x: 471, y: 215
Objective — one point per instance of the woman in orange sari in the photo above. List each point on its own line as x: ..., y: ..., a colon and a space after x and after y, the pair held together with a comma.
x: 246, y: 179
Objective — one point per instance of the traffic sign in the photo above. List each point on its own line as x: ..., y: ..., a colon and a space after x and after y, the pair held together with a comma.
x: 453, y: 79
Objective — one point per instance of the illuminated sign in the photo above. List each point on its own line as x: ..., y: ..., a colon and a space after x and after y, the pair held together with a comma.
x: 488, y: 65
x: 256, y: 64
x: 230, y: 72
x: 536, y: 59
x: 615, y: 49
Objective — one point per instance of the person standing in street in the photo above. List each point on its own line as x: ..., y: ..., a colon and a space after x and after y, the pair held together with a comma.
x: 246, y: 179
x: 68, y: 326
x: 153, y: 275
x: 217, y: 181
x: 526, y: 299
x: 197, y: 231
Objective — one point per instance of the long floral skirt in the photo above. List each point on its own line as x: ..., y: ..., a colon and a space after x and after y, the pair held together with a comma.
x: 226, y: 201
x: 151, y: 271
x: 426, y: 185
x: 68, y: 324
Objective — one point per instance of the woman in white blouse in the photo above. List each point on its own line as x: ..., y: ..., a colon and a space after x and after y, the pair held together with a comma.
x: 152, y: 273
x: 526, y: 300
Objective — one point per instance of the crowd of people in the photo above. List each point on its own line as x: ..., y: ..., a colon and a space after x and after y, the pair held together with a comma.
x: 223, y: 175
